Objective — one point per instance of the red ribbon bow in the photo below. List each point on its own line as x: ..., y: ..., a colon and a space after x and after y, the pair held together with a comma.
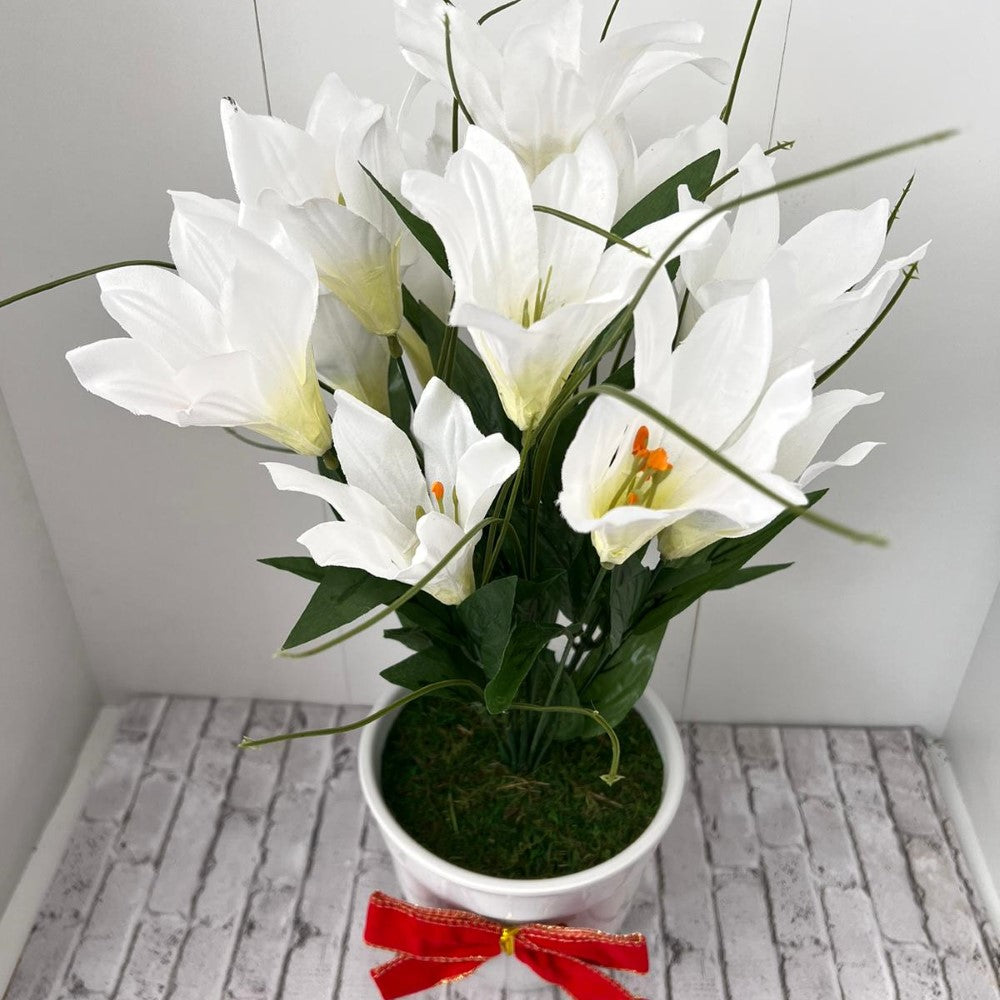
x: 440, y: 946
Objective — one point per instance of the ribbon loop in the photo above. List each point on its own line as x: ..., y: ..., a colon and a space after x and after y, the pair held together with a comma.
x: 435, y: 946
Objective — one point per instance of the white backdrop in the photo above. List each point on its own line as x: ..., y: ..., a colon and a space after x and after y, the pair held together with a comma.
x: 107, y: 103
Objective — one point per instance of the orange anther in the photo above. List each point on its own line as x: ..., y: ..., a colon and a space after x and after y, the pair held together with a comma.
x: 641, y: 441
x: 657, y: 461
x: 437, y: 490
x: 631, y: 499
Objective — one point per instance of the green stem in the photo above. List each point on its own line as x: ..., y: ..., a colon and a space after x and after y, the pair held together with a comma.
x: 584, y: 224
x: 257, y: 444
x: 726, y: 178
x: 405, y: 376
x: 728, y: 108
x: 494, y: 552
x: 248, y: 744
x: 497, y: 10
x: 396, y: 604
x: 561, y: 665
x: 908, y: 275
x: 680, y: 318
x: 84, y: 274
x: 619, y: 357
x: 894, y: 214
x: 607, y: 23
x: 451, y: 76
x: 591, y: 713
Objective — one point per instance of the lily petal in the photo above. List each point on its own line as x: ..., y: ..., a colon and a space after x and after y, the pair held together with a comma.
x: 443, y: 425
x: 266, y: 153
x: 801, y: 444
x: 377, y: 457
x: 162, y: 311
x: 836, y: 250
x: 438, y: 534
x: 353, y: 259
x: 850, y: 457
x: 348, y: 356
x: 483, y: 469
x: 584, y: 184
x: 131, y: 375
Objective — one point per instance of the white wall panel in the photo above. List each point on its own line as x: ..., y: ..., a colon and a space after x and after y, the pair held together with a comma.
x: 47, y: 696
x: 853, y: 634
x: 973, y: 740
x: 103, y: 106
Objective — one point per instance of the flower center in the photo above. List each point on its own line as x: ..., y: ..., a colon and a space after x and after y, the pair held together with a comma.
x: 648, y: 469
x: 437, y: 491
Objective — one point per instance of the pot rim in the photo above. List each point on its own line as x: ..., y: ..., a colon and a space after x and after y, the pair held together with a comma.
x: 668, y: 740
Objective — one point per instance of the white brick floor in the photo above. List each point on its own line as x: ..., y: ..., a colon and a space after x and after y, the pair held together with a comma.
x: 805, y: 864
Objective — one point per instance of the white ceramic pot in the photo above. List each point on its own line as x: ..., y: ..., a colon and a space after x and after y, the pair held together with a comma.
x: 599, y: 897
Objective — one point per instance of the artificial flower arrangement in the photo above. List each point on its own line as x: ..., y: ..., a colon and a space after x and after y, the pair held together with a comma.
x: 573, y: 387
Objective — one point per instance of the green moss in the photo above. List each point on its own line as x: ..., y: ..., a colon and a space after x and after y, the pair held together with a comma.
x: 442, y: 780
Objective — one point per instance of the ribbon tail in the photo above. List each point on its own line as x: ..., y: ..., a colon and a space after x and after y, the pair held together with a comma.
x: 580, y: 980
x: 405, y: 975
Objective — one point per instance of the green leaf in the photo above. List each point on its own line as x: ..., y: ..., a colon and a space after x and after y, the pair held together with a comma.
x: 521, y: 654
x: 630, y: 584
x: 299, y: 565
x: 486, y: 615
x: 662, y: 200
x: 620, y: 684
x: 342, y: 596
x: 469, y: 377
x: 750, y: 573
x: 428, y: 615
x: 422, y: 230
x: 539, y: 600
x: 427, y: 667
x: 399, y: 400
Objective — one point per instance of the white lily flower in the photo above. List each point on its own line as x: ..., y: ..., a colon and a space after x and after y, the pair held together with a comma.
x: 533, y: 290
x: 312, y: 181
x: 224, y: 342
x: 399, y: 521
x: 819, y: 303
x: 346, y: 355
x: 627, y: 480
x: 539, y: 92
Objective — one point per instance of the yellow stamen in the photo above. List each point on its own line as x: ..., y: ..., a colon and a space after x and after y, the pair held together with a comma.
x: 632, y: 498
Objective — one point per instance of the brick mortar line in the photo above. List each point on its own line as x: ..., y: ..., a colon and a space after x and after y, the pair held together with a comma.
x: 253, y: 890
x: 362, y: 844
x: 862, y: 873
x: 918, y: 893
x: 114, y: 854
x: 923, y: 745
x: 206, y: 861
x: 807, y: 840
x: 765, y: 881
x: 310, y: 862
x: 709, y: 867
x: 145, y: 912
